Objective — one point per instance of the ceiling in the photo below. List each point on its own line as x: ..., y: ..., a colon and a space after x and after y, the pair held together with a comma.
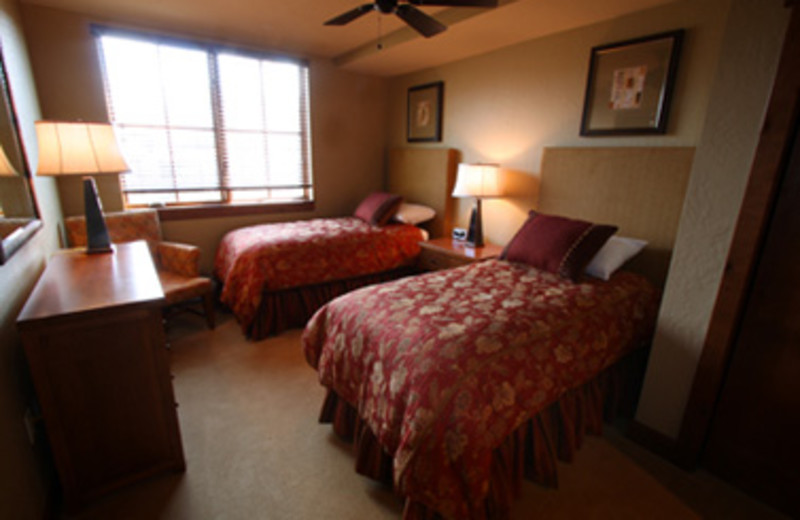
x: 296, y: 26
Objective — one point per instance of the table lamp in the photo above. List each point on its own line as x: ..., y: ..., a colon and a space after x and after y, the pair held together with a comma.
x: 6, y: 169
x: 479, y: 181
x: 80, y: 148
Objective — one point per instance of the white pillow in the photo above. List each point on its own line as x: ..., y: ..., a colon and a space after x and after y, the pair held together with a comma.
x: 414, y: 213
x: 614, y: 253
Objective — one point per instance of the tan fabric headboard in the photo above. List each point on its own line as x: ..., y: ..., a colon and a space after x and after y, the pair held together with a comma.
x: 640, y: 190
x: 426, y: 176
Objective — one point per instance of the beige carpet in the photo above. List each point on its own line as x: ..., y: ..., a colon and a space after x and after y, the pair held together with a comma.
x: 254, y: 450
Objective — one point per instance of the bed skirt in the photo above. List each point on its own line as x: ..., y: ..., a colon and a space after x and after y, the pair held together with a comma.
x: 293, y: 307
x: 531, y: 452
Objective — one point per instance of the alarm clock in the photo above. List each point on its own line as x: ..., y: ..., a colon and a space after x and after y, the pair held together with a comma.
x: 459, y: 234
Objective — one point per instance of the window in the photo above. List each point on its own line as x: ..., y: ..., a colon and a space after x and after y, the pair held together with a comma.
x: 203, y: 124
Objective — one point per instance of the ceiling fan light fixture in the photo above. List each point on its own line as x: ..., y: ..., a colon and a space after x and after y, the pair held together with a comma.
x: 386, y: 6
x: 424, y: 24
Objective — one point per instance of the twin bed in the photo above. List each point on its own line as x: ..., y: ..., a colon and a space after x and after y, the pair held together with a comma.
x: 457, y: 384
x: 275, y: 276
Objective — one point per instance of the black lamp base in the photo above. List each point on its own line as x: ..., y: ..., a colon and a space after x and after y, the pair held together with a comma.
x: 97, y: 239
x: 475, y: 234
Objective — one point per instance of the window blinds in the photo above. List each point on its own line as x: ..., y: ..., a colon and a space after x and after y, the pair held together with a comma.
x: 206, y: 124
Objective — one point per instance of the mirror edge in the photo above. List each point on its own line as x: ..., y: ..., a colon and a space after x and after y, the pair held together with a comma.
x: 14, y: 241
x: 17, y: 239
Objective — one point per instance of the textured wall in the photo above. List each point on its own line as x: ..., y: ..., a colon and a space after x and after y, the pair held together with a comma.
x: 745, y: 72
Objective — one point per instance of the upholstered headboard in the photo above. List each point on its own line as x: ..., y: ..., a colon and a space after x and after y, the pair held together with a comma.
x: 425, y: 176
x: 640, y: 190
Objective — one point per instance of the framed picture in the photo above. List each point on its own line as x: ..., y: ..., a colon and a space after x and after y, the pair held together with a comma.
x: 630, y: 83
x: 425, y: 112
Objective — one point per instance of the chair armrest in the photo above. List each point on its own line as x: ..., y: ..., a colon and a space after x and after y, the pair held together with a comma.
x: 180, y: 259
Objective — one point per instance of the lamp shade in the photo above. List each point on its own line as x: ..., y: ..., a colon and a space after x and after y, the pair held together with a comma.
x: 477, y: 180
x: 5, y: 166
x: 78, y: 148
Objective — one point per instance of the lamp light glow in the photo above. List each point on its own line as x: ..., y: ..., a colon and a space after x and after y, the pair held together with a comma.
x: 480, y: 181
x: 81, y: 148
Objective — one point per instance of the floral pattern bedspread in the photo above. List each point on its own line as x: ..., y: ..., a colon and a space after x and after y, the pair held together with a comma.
x: 253, y: 259
x: 443, y: 367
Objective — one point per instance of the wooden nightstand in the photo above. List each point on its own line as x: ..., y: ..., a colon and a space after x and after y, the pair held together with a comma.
x: 445, y: 253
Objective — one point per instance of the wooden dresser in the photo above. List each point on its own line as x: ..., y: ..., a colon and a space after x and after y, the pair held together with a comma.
x: 94, y: 340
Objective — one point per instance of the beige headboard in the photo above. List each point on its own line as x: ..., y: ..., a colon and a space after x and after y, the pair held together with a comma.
x: 426, y: 176
x: 640, y: 190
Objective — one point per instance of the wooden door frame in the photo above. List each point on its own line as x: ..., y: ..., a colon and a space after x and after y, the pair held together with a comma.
x: 770, y: 161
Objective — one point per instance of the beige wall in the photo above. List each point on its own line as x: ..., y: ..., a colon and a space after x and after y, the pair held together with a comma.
x: 21, y: 485
x: 347, y: 143
x: 505, y: 106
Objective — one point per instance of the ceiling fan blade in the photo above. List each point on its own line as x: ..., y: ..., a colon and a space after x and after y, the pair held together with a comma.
x: 456, y: 3
x: 351, y: 15
x: 419, y: 21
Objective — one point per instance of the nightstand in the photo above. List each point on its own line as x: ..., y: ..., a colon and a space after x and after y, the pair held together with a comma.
x: 445, y: 253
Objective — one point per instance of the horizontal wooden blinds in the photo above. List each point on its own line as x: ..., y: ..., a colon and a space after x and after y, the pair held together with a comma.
x: 206, y: 124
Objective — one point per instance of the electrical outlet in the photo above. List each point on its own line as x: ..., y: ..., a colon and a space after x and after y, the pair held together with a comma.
x: 30, y: 427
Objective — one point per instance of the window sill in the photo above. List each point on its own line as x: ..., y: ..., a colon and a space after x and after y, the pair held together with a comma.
x: 231, y: 210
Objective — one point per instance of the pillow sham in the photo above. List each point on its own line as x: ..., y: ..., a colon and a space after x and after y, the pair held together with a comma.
x: 378, y: 208
x: 613, y: 255
x: 559, y: 245
x: 414, y: 214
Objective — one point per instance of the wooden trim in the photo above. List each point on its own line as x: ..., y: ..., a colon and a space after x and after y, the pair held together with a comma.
x: 769, y: 163
x: 232, y: 210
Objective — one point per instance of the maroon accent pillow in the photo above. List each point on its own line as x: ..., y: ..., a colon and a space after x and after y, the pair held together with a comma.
x: 558, y: 245
x: 378, y: 208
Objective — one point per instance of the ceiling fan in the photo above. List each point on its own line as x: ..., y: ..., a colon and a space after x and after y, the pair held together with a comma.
x: 426, y: 25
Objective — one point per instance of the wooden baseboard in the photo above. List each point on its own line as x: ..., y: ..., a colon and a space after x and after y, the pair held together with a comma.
x: 659, y: 444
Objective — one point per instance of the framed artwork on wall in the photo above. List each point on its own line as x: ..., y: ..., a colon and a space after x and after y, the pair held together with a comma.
x: 424, y: 121
x: 630, y: 83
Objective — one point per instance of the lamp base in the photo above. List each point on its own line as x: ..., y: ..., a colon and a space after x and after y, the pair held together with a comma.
x: 98, y: 250
x: 475, y: 234
x: 97, y: 239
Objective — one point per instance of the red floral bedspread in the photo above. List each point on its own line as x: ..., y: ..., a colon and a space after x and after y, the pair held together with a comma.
x: 279, y: 256
x: 443, y: 367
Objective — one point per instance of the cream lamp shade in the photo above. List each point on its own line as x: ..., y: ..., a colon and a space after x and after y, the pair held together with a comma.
x: 477, y: 180
x: 79, y: 148
x: 5, y: 166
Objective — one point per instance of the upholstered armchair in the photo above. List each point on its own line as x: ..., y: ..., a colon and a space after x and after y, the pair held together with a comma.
x: 177, y: 264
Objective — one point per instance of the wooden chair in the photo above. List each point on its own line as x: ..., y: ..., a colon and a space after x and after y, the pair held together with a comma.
x: 177, y: 264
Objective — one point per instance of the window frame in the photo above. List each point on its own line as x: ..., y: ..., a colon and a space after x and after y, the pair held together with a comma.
x: 193, y: 210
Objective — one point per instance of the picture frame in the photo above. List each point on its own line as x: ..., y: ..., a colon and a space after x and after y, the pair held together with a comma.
x: 629, y: 86
x: 424, y: 116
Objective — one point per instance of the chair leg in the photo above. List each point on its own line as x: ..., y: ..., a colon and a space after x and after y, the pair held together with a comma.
x: 208, y: 305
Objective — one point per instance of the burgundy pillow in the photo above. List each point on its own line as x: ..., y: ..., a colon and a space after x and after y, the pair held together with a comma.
x: 378, y: 208
x: 557, y: 244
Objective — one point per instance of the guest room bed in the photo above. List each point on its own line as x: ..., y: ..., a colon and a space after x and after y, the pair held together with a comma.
x: 274, y: 276
x: 454, y: 385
